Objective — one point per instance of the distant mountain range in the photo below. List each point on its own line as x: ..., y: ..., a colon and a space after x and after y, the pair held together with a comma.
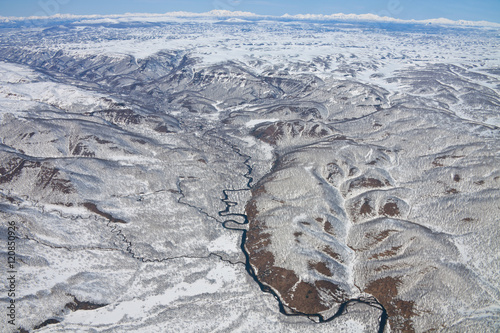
x: 148, y: 17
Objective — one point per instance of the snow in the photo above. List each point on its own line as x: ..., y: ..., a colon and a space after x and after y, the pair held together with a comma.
x: 254, y: 122
x: 379, y: 76
x: 148, y: 17
x: 226, y: 243
x: 62, y: 96
x: 267, y: 149
x: 22, y: 86
x: 138, y: 309
x: 347, y: 68
x: 71, y: 211
x: 377, y: 18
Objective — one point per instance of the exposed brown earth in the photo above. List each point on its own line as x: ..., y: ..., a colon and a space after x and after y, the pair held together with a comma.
x: 388, y: 253
x: 390, y: 209
x: 121, y: 116
x: 79, y: 305
x: 270, y: 134
x: 400, y: 312
x: 329, y: 228
x: 100, y: 141
x: 46, y: 323
x: 12, y: 169
x: 438, y: 161
x: 321, y: 268
x: 303, y: 297
x: 377, y: 238
x: 93, y: 208
x: 334, y: 173
x: 142, y: 142
x: 364, y: 182
x: 82, y: 150
x: 47, y: 177
x: 366, y: 208
x: 328, y: 250
x: 51, y: 177
x: 361, y: 208
x: 162, y: 129
x: 307, y: 299
x: 275, y: 132
x: 452, y: 191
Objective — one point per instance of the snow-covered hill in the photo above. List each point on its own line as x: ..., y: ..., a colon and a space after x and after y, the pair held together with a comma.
x: 232, y: 172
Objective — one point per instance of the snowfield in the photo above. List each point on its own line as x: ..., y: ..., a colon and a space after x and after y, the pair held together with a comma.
x: 230, y: 172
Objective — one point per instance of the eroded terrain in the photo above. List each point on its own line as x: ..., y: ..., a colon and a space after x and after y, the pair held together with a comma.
x: 260, y: 176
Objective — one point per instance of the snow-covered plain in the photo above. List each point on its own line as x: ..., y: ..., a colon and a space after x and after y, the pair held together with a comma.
x: 228, y: 172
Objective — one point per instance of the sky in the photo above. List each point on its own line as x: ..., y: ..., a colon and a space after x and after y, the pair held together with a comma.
x: 475, y: 10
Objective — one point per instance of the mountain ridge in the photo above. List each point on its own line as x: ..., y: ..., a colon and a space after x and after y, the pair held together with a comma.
x: 368, y: 17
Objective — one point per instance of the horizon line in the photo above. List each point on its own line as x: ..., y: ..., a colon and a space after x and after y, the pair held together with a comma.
x: 368, y: 17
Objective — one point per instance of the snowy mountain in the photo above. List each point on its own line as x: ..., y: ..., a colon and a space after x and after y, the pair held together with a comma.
x: 232, y: 172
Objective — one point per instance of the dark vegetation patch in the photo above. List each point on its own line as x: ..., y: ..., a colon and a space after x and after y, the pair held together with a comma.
x: 52, y: 178
x: 13, y: 168
x: 100, y: 141
x: 142, y: 142
x: 67, y: 204
x: 93, y: 208
x: 334, y: 173
x: 76, y: 305
x: 366, y: 208
x: 163, y: 129
x: 390, y: 209
x: 26, y: 135
x: 400, y: 312
x: 47, y: 177
x: 122, y: 116
x: 301, y: 297
x: 305, y: 299
x: 297, y: 235
x: 328, y: 250
x: 329, y: 228
x: 452, y: 191
x: 364, y: 182
x: 310, y: 298
x: 438, y: 161
x: 270, y: 134
x: 320, y: 267
x: 378, y: 238
x: 361, y: 208
x: 82, y: 150
x: 389, y: 253
x: 277, y: 131
x: 46, y: 323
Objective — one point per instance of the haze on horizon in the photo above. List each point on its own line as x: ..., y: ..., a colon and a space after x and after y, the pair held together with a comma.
x: 480, y: 10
